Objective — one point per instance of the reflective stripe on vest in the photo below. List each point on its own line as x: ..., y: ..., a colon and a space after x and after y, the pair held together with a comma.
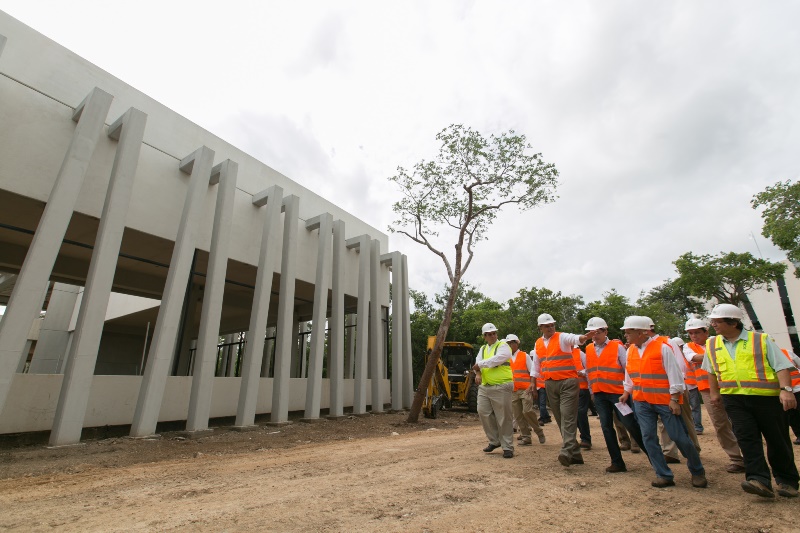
x: 519, y: 366
x: 496, y: 375
x: 793, y: 372
x: 700, y: 375
x: 604, y: 371
x: 555, y: 364
x: 747, y: 373
x: 650, y: 380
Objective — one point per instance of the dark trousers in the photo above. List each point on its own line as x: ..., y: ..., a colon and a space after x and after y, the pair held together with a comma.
x: 543, y: 414
x: 604, y: 403
x: 584, y: 397
x: 756, y: 416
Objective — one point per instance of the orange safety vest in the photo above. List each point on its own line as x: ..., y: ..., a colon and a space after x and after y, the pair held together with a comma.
x: 539, y: 383
x: 576, y: 357
x: 604, y: 371
x: 519, y: 367
x: 555, y: 364
x: 701, y: 376
x: 793, y: 373
x: 650, y: 381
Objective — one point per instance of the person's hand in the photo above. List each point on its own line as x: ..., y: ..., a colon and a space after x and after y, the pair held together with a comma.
x: 534, y: 394
x: 624, y: 397
x: 716, y: 400
x: 788, y: 400
x: 476, y: 368
x: 675, y: 407
x: 477, y: 378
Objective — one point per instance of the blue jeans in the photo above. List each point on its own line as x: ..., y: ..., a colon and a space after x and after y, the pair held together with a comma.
x: 697, y: 415
x: 584, y: 397
x: 543, y: 414
x: 648, y: 414
x: 604, y: 403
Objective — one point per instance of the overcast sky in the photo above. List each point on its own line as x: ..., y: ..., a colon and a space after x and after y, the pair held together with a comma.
x: 663, y: 118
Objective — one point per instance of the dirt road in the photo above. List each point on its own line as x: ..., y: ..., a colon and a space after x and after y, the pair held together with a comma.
x: 365, y: 474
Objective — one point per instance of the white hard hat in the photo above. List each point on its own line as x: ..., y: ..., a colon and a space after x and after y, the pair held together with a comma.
x: 695, y: 323
x: 488, y: 328
x: 636, y: 322
x: 511, y: 337
x: 726, y: 311
x: 544, y: 318
x: 678, y: 341
x: 650, y: 322
x: 595, y: 323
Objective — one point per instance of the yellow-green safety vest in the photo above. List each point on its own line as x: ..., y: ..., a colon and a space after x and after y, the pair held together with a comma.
x: 496, y: 375
x: 749, y: 373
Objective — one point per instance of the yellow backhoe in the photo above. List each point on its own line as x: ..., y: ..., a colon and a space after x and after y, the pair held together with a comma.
x: 453, y: 381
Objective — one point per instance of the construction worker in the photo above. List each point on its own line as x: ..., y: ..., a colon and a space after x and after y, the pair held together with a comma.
x: 584, y: 399
x: 750, y: 377
x: 793, y: 414
x: 655, y: 380
x: 694, y: 352
x: 605, y: 369
x: 544, y: 414
x: 554, y: 363
x: 493, y: 373
x: 691, y: 395
x: 524, y: 393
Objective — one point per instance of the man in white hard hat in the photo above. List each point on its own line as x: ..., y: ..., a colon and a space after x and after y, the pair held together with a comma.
x: 555, y: 364
x: 694, y: 352
x: 524, y: 393
x: 493, y: 372
x: 605, y: 370
x: 749, y: 375
x: 654, y: 379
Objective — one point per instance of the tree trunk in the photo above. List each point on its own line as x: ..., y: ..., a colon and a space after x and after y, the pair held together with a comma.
x: 433, y: 359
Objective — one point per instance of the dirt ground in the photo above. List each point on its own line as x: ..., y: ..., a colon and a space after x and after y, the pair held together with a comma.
x: 373, y: 473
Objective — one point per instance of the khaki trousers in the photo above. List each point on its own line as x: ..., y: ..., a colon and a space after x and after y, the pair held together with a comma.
x: 494, y: 409
x: 723, y: 428
x: 563, y: 397
x: 667, y: 445
x: 524, y: 414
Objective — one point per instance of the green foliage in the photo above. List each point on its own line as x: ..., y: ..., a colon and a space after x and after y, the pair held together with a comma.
x: 781, y: 216
x: 524, y: 308
x: 613, y: 309
x: 728, y: 277
x: 423, y: 324
x: 471, y: 310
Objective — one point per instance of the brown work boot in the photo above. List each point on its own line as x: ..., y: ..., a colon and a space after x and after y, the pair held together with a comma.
x: 564, y: 460
x: 635, y: 448
x: 614, y: 468
x: 541, y: 439
x: 787, y: 491
x: 525, y: 441
x: 735, y: 468
x: 576, y: 460
x: 625, y: 446
x: 752, y: 486
x: 699, y: 482
x: 671, y: 460
x: 586, y: 445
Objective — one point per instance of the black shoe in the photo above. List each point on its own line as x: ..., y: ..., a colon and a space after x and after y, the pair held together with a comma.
x: 508, y: 454
x: 564, y: 460
x: 614, y: 468
x: 662, y: 482
x: 671, y: 460
x: 576, y: 460
x: 491, y: 448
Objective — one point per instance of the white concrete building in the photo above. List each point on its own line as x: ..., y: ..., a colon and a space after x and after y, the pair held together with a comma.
x: 776, y: 312
x: 148, y: 239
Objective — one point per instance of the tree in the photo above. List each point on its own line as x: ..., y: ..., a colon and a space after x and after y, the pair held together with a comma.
x: 528, y: 304
x: 613, y: 309
x: 423, y: 324
x: 728, y: 277
x: 781, y: 216
x: 460, y: 193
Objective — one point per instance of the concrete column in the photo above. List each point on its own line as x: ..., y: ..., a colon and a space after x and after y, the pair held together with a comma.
x: 74, y: 395
x: 205, y: 357
x: 375, y: 328
x: 323, y: 223
x: 26, y: 299
x: 254, y: 350
x: 408, y: 373
x: 350, y: 346
x: 162, y: 347
x: 51, y: 349
x: 395, y: 260
x: 283, y: 351
x: 363, y: 244
x: 336, y: 324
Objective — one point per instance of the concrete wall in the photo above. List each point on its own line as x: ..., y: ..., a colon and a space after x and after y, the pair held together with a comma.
x: 113, y: 399
x: 767, y: 305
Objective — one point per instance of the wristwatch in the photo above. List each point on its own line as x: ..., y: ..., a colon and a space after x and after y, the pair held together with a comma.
x: 787, y: 388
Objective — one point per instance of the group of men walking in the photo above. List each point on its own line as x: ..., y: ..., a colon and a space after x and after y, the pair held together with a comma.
x: 653, y: 385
